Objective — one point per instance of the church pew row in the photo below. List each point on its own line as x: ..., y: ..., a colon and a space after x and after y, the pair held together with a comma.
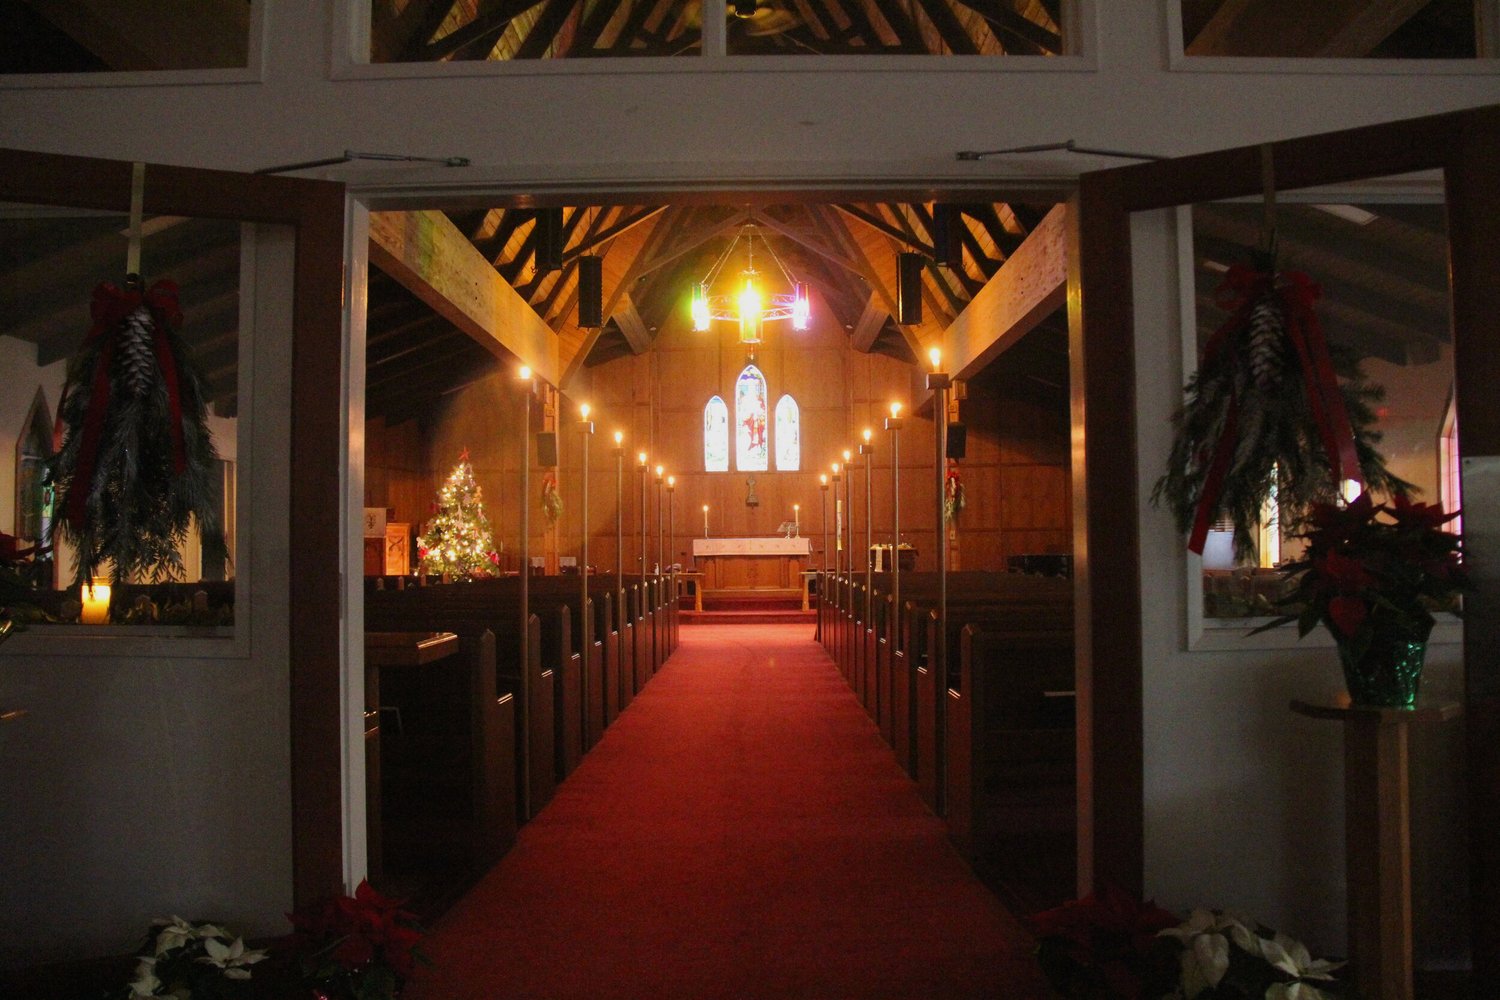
x: 1010, y: 737
x: 454, y: 718
x: 569, y: 715
x: 887, y: 659
x: 535, y: 737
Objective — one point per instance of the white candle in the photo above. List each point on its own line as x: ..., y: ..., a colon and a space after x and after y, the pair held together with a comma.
x: 797, y: 514
x: 705, y: 520
x: 95, y: 604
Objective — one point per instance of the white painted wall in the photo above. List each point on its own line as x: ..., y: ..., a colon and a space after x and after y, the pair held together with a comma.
x: 149, y: 776
x: 1242, y: 805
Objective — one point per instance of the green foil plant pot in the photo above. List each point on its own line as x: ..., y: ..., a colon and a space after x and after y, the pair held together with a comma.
x: 1388, y: 672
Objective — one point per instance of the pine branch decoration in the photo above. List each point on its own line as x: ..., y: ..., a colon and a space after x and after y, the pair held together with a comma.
x: 1271, y: 407
x: 137, y: 466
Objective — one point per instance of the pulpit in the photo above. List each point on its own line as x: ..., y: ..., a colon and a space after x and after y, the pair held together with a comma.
x: 752, y: 567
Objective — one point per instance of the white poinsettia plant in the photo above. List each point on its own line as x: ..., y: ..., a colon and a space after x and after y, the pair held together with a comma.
x: 191, y: 961
x: 1226, y: 956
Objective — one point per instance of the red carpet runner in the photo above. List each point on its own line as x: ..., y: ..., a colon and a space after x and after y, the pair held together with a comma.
x: 741, y: 831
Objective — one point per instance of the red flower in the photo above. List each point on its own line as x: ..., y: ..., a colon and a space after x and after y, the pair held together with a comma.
x: 1347, y: 614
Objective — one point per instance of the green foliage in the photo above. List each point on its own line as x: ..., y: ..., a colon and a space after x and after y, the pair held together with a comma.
x: 137, y: 508
x: 457, y: 540
x: 1276, y: 444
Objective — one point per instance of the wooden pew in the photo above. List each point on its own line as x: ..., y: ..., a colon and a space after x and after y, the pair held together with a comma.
x: 1038, y: 602
x: 1011, y: 740
x: 456, y: 692
x: 414, y: 610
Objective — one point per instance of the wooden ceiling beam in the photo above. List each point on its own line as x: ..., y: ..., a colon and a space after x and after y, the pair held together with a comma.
x: 953, y: 33
x: 632, y: 327
x: 430, y: 18
x: 635, y: 245
x: 879, y: 270
x: 623, y: 223
x: 1003, y: 238
x: 425, y: 252
x: 899, y: 235
x: 803, y: 238
x: 870, y: 324
x: 1030, y: 286
x: 1332, y: 28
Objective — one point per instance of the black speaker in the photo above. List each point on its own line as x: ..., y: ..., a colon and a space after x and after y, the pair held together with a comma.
x: 947, y: 242
x: 591, y: 291
x: 546, y: 448
x: 549, y: 239
x: 909, y: 288
x: 958, y: 437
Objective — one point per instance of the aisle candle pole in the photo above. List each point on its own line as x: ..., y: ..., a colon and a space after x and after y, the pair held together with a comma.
x: 671, y: 528
x: 868, y: 451
x: 643, y: 469
x: 524, y: 711
x: 893, y: 424
x: 661, y: 563
x: 823, y: 576
x: 938, y: 381
x: 848, y: 514
x: 587, y: 427
x: 620, y: 529
x: 838, y: 533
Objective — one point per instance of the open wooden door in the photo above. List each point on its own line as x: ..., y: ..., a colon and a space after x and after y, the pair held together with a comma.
x: 1464, y: 147
x: 313, y: 213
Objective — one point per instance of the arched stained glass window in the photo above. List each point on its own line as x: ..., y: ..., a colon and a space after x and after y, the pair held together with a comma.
x: 751, y: 435
x: 788, y: 435
x: 716, y: 436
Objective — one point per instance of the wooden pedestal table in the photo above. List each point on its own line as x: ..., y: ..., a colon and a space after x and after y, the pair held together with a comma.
x: 389, y: 649
x: 1377, y: 838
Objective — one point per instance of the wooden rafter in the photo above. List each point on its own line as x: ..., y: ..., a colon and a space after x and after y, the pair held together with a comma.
x: 899, y: 235
x: 1332, y: 28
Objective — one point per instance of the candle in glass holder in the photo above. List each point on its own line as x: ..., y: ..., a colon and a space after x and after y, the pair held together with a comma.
x: 95, y: 603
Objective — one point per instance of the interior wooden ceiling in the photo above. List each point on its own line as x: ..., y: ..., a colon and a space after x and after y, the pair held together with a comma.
x: 438, y: 30
x: 1384, y: 277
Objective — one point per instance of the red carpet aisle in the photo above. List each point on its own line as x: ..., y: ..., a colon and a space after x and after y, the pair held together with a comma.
x: 741, y: 832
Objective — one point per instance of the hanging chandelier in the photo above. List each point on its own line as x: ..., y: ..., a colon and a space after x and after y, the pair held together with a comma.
x: 748, y: 303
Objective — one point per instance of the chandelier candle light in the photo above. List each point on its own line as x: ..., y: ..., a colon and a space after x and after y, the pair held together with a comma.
x: 749, y: 306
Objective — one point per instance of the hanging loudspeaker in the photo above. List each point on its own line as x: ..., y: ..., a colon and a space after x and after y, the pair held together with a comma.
x: 546, y: 448
x: 549, y: 238
x: 946, y: 241
x: 909, y: 288
x: 958, y: 436
x: 591, y: 291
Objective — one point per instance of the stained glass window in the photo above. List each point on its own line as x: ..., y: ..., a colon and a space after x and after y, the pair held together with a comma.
x: 788, y: 435
x: 716, y: 436
x: 751, y: 453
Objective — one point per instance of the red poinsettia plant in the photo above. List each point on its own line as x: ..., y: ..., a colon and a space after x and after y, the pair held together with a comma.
x: 1374, y: 569
x: 360, y: 947
x: 1107, y: 946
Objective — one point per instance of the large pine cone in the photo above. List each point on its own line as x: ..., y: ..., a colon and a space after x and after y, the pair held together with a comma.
x: 137, y: 365
x: 1266, y: 340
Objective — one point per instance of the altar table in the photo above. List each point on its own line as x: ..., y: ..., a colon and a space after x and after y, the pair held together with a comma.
x: 752, y: 567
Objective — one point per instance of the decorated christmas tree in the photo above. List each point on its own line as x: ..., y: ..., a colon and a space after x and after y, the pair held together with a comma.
x: 457, y: 541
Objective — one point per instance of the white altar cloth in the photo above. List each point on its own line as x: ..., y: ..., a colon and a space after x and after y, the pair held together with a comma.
x: 774, y: 546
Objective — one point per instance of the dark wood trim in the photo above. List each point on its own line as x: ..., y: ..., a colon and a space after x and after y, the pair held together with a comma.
x: 1106, y: 544
x: 1465, y: 145
x: 316, y: 210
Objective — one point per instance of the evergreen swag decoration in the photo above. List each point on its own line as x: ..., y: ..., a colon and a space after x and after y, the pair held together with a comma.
x: 1271, y: 405
x: 137, y: 463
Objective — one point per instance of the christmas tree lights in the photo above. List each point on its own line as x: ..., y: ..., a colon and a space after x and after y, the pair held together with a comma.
x: 458, y: 542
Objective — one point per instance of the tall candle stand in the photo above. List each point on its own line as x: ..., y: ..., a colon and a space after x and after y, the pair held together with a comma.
x: 528, y: 384
x: 661, y: 480
x: 893, y: 424
x: 586, y: 426
x: 938, y: 382
x: 868, y: 451
x: 643, y: 469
